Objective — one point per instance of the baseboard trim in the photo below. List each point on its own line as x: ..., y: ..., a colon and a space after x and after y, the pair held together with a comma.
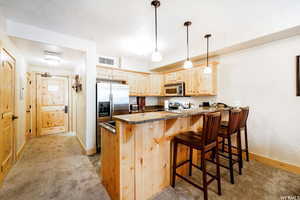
x: 20, y: 151
x: 81, y: 145
x: 91, y: 151
x: 275, y: 163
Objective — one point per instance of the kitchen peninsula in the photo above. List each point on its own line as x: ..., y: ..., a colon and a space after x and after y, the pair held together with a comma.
x: 136, y: 158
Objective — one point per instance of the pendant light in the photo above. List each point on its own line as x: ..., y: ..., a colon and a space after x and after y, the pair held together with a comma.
x: 156, y: 56
x: 187, y: 63
x: 207, y: 69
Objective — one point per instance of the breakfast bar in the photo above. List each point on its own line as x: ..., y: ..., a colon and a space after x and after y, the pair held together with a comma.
x: 136, y: 157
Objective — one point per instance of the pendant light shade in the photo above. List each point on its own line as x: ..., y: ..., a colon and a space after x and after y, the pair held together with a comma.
x: 188, y: 63
x: 156, y: 56
x: 207, y: 69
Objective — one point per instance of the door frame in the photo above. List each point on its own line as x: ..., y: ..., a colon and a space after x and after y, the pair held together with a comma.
x: 34, y: 74
x: 14, y: 137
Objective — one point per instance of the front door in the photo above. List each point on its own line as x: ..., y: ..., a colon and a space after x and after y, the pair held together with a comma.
x: 7, y: 104
x: 52, y: 105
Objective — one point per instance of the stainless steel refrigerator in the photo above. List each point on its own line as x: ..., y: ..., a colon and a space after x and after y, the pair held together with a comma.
x: 112, y: 99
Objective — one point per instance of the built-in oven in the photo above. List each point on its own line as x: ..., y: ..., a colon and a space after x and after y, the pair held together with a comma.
x: 175, y: 89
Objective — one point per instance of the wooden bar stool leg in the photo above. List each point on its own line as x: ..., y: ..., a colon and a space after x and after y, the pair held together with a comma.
x: 223, y: 144
x: 230, y: 160
x: 191, y: 161
x: 174, y: 163
x: 203, y: 166
x: 218, y: 172
x: 246, y: 144
x: 239, y: 148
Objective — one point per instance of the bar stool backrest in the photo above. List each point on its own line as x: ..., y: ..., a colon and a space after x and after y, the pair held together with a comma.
x: 244, y: 117
x: 211, y: 127
x: 234, y: 121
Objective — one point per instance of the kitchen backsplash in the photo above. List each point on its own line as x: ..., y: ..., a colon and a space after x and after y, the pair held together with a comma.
x: 153, y: 101
x: 150, y: 101
x: 194, y: 100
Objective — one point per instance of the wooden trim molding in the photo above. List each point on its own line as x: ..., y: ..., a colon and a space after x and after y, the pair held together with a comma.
x: 81, y: 144
x: 180, y: 68
x: 20, y: 151
x: 124, y: 70
x: 268, y: 161
x: 275, y: 163
x: 85, y: 151
x: 90, y: 152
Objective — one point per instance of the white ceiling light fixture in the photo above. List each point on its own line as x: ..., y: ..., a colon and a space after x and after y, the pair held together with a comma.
x: 207, y: 69
x: 188, y: 63
x: 156, y: 56
x: 52, y: 58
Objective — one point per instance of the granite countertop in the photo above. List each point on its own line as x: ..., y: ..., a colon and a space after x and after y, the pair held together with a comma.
x: 139, y: 118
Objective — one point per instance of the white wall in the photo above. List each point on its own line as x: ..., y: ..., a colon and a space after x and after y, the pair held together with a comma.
x: 264, y: 78
x: 20, y: 77
x: 135, y: 64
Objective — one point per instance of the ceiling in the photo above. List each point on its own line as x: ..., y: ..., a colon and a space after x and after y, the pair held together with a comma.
x: 126, y: 28
x: 34, y: 54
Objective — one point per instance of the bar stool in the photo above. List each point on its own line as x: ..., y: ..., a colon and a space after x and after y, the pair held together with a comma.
x: 226, y: 132
x: 206, y: 141
x: 243, y: 126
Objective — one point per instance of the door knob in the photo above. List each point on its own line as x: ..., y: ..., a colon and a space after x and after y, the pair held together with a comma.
x: 14, y: 117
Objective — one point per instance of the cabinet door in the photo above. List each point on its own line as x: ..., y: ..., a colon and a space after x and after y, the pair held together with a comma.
x: 133, y: 83
x: 119, y: 75
x: 143, y: 85
x: 170, y: 78
x: 156, y: 84
x: 200, y: 84
x: 103, y: 73
x: 188, y: 80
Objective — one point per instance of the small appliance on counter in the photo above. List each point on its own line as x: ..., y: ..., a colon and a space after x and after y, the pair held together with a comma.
x: 134, y: 108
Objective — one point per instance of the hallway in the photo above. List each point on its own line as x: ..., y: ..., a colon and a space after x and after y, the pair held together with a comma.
x: 53, y: 167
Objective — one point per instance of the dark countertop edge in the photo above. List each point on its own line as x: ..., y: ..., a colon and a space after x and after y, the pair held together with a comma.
x: 149, y: 120
x: 110, y: 129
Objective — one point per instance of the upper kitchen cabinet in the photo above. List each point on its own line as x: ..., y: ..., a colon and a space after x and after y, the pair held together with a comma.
x: 119, y: 75
x: 104, y: 73
x: 174, y: 77
x: 156, y: 85
x: 197, y: 83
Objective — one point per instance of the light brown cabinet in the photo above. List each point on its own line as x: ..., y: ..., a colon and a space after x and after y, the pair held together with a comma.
x: 104, y: 73
x: 145, y: 84
x: 196, y: 82
x: 156, y: 85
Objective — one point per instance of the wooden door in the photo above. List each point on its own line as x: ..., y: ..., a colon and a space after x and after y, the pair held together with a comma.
x: 7, y: 104
x: 52, y: 105
x: 28, y: 106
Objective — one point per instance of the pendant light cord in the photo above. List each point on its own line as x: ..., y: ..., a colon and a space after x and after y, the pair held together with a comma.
x: 187, y: 42
x: 207, y: 51
x: 155, y: 28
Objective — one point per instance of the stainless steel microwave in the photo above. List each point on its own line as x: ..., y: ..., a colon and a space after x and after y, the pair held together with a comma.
x: 175, y: 90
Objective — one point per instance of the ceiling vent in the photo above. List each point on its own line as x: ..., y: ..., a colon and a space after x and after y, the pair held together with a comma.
x: 108, y: 61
